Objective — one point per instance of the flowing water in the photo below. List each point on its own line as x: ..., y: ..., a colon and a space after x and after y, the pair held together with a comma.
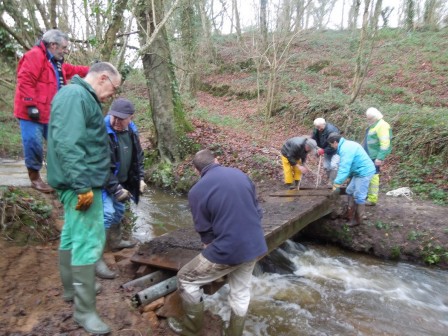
x: 328, y: 291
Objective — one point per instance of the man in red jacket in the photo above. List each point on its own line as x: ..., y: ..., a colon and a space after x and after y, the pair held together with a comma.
x: 41, y: 72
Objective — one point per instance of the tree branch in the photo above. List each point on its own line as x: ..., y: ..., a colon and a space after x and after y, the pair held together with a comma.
x: 146, y: 47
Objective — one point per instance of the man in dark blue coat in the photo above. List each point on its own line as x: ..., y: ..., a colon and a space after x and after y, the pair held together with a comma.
x: 227, y: 217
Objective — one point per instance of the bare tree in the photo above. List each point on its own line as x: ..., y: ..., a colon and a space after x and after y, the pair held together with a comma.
x: 206, y: 32
x: 366, y: 44
x: 431, y: 15
x: 409, y: 14
x: 322, y: 11
x: 301, y: 8
x: 385, y: 14
x: 264, y: 22
x: 236, y: 12
x: 353, y: 15
x: 285, y: 17
x: 342, y: 15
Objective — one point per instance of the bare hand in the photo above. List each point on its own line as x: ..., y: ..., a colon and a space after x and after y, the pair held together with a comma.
x: 303, y: 169
x: 378, y: 162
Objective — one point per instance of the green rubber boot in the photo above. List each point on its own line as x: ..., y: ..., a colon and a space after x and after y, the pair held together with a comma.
x: 115, y: 241
x: 85, y: 300
x: 236, y: 325
x: 65, y: 270
x: 102, y: 270
x: 191, y: 323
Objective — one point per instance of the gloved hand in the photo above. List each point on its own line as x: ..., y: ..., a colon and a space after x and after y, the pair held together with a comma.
x: 33, y: 113
x: 122, y: 195
x: 143, y: 186
x: 320, y: 151
x: 336, y: 188
x: 84, y: 201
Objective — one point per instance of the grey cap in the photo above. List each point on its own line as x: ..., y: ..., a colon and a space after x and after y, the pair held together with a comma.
x: 312, y: 143
x: 121, y: 108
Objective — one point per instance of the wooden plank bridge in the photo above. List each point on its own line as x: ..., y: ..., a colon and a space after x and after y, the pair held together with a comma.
x: 285, y: 213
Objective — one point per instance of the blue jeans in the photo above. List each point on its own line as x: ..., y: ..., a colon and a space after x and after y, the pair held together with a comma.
x: 33, y: 134
x: 358, y: 188
x: 113, y: 210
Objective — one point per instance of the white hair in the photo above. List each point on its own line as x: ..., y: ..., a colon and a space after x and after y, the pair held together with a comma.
x: 319, y: 122
x: 54, y: 36
x: 374, y: 113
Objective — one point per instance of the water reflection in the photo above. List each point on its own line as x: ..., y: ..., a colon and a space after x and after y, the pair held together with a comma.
x: 160, y: 212
x: 326, y: 291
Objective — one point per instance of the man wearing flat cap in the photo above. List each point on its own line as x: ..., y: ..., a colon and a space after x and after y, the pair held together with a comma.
x: 126, y: 178
x: 294, y: 152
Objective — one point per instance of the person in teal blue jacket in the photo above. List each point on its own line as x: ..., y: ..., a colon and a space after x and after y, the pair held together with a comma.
x: 356, y: 164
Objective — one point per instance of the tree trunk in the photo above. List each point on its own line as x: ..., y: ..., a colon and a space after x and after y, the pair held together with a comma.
x: 284, y: 19
x: 115, y: 24
x: 300, y: 12
x: 206, y: 30
x: 264, y: 23
x: 53, y: 16
x: 353, y: 15
x: 409, y: 15
x: 189, y: 40
x: 237, y: 19
x: 158, y: 69
x: 342, y: 15
x: 430, y: 14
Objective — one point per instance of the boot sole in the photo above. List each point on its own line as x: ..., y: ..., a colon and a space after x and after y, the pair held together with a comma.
x: 91, y: 331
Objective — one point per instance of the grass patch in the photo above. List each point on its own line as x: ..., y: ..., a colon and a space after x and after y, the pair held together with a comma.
x: 204, y: 114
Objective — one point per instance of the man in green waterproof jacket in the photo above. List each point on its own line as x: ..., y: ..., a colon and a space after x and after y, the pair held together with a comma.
x: 78, y: 167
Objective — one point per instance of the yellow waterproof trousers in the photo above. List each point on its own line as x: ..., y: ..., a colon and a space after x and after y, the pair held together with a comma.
x: 374, y: 188
x: 291, y: 173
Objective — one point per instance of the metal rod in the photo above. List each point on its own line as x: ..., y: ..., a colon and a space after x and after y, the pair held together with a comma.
x: 154, y: 292
x: 148, y: 280
x: 318, y: 172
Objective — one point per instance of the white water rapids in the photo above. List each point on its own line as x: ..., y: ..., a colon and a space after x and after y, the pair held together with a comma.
x: 330, y: 292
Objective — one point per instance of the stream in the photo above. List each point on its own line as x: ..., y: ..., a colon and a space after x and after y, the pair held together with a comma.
x: 329, y: 291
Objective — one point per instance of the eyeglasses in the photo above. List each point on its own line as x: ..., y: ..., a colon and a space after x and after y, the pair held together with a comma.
x: 116, y: 87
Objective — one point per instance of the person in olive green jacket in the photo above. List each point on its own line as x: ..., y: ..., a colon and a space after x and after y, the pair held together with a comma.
x: 78, y: 167
x: 378, y: 145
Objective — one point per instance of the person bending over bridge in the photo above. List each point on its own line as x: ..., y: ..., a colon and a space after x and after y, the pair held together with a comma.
x: 227, y: 217
x: 294, y: 153
x: 355, y: 163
